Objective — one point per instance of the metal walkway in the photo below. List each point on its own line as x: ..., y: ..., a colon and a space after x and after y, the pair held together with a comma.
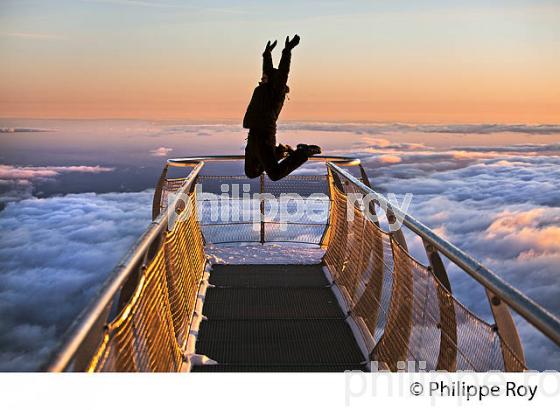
x: 147, y: 316
x: 275, y: 318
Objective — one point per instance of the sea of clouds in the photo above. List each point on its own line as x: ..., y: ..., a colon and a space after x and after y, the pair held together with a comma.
x: 499, y: 203
x: 55, y: 253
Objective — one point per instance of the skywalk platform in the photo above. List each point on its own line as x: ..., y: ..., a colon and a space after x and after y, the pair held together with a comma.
x: 333, y: 290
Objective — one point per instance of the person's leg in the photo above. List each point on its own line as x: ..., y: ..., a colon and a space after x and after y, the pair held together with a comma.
x: 278, y: 170
x: 253, y: 167
x: 266, y: 153
x: 292, y: 162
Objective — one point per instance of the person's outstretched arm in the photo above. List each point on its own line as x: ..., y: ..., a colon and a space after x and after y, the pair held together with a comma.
x: 284, y: 66
x: 267, y: 58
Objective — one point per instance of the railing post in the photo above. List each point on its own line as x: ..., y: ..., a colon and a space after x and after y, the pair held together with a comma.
x: 324, y: 241
x: 365, y: 178
x: 397, y: 235
x: 156, y: 204
x: 508, y: 332
x: 261, y: 199
x: 366, y: 182
x: 447, y: 358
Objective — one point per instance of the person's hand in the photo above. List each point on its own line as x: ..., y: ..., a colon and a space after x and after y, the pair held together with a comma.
x: 290, y: 44
x: 269, y: 47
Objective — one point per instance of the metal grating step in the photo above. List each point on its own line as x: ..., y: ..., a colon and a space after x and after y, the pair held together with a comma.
x: 278, y: 342
x: 274, y: 318
x: 271, y: 303
x: 321, y: 368
x: 259, y: 276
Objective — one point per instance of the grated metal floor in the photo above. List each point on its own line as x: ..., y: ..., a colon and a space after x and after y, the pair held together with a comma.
x: 275, y: 318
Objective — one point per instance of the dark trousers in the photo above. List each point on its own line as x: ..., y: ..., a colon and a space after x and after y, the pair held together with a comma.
x: 261, y: 155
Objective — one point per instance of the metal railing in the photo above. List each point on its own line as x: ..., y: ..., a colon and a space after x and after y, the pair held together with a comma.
x: 83, y: 338
x: 84, y: 335
x: 269, y: 230
x: 500, y: 293
x: 80, y: 341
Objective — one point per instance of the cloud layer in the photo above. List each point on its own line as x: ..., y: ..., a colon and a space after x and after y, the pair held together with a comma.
x: 17, y: 182
x: 54, y: 254
x: 358, y: 128
x: 8, y: 172
x: 367, y: 128
x: 13, y: 130
x: 500, y: 204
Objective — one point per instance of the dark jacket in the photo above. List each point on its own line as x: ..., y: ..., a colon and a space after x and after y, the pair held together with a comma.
x: 268, y: 98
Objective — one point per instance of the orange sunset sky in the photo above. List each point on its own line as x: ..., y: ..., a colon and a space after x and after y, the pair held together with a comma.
x: 430, y: 61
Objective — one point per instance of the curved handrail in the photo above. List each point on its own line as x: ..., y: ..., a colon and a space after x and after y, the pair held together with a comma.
x: 192, y: 161
x: 543, y: 320
x: 535, y: 314
x: 86, y: 321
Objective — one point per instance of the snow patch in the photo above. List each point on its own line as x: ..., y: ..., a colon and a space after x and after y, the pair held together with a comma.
x: 268, y: 253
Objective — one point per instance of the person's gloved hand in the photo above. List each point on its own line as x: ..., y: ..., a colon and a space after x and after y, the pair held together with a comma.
x: 290, y: 44
x: 269, y: 47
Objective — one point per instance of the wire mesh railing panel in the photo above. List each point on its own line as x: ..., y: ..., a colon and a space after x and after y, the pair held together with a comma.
x: 302, y: 185
x: 231, y: 233
x: 179, y: 289
x: 310, y: 211
x: 335, y: 254
x: 229, y: 211
x: 399, y: 304
x: 170, y: 186
x: 150, y: 330
x: 231, y: 199
x: 185, y: 263
x: 373, y: 283
x: 478, y: 345
x: 237, y: 209
x: 228, y: 184
x: 299, y: 233
x: 141, y: 338
x: 359, y: 257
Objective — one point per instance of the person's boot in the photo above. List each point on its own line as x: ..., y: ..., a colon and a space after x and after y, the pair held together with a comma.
x: 309, y: 150
x: 282, y: 151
